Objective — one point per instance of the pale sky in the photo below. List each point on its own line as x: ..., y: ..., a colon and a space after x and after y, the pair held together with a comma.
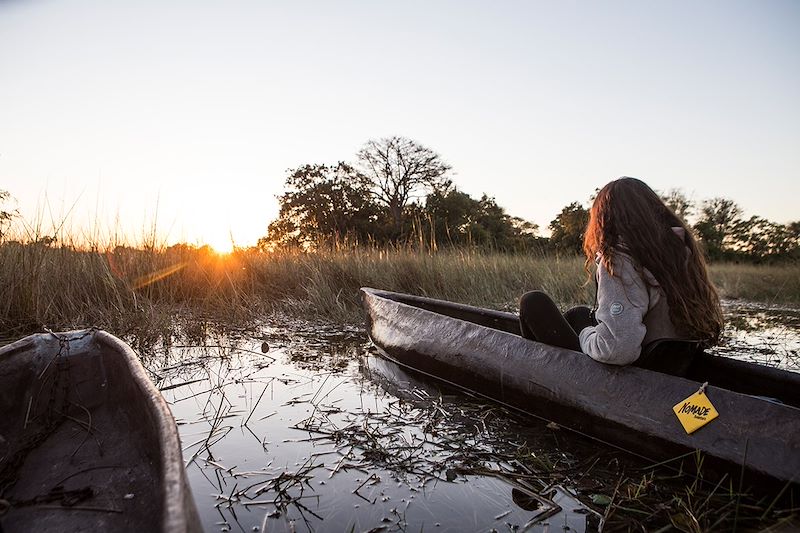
x: 195, y: 110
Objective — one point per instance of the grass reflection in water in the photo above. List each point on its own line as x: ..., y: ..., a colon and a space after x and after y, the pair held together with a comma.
x: 319, y: 434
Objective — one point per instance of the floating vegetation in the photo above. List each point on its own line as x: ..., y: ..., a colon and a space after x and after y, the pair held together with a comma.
x: 762, y: 334
x: 303, y: 428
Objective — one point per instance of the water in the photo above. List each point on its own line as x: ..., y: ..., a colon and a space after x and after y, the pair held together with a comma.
x: 302, y: 427
x: 760, y: 334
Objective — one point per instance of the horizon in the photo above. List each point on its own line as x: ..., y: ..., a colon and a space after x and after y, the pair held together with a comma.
x: 186, y: 117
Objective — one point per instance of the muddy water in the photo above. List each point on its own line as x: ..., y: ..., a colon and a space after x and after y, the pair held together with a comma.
x: 304, y: 428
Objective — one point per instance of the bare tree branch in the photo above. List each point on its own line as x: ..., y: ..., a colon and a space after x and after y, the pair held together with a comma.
x: 399, y: 168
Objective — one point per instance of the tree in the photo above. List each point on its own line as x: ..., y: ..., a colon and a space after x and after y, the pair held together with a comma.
x: 793, y: 232
x: 398, y: 191
x: 5, y: 216
x: 718, y: 218
x: 500, y: 231
x: 399, y: 169
x: 450, y: 214
x: 677, y: 201
x: 458, y: 219
x: 568, y: 227
x: 320, y: 203
x: 759, y: 239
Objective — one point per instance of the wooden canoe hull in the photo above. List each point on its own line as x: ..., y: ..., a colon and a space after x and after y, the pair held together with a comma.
x: 113, y: 436
x: 628, y: 407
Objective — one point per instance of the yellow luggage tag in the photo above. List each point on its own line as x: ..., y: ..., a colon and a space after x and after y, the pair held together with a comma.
x: 695, y: 411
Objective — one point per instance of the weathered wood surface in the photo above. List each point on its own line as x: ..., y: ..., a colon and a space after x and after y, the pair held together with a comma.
x: 80, y: 413
x: 628, y: 407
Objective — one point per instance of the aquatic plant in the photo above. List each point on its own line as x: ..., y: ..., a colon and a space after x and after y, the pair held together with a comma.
x: 156, y: 289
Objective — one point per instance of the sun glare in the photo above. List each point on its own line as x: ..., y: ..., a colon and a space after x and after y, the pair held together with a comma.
x: 221, y: 246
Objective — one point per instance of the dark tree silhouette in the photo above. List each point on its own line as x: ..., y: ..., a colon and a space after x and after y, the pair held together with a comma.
x: 677, y: 201
x: 5, y: 216
x: 718, y: 218
x: 399, y: 169
x: 758, y: 239
x: 457, y: 219
x: 323, y: 202
x: 568, y: 227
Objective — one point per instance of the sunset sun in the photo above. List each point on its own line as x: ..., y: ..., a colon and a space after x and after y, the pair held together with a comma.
x: 221, y: 245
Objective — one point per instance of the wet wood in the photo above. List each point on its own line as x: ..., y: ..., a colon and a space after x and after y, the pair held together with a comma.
x: 90, y: 444
x: 481, y: 351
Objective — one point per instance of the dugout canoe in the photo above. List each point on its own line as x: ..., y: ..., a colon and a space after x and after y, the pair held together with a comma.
x: 481, y: 351
x: 87, y: 443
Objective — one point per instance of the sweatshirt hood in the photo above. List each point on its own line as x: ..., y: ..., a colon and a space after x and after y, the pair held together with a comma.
x: 680, y: 232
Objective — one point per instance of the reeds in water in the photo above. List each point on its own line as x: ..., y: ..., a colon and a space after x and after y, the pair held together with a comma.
x: 147, y: 289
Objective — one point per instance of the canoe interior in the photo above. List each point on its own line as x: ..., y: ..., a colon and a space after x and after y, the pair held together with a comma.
x: 627, y: 407
x: 86, y: 426
x: 723, y: 372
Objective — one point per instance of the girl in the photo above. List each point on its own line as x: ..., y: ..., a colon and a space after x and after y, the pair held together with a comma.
x: 652, y: 282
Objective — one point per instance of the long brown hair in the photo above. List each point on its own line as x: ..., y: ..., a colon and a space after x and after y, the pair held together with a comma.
x: 628, y: 217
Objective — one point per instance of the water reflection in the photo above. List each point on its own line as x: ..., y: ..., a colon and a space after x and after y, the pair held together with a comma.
x: 337, y: 442
x: 765, y: 335
x: 302, y: 428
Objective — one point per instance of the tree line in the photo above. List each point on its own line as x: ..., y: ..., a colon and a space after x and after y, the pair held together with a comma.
x: 717, y: 222
x: 398, y: 191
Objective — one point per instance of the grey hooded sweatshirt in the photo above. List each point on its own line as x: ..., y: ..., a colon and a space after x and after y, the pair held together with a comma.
x: 630, y: 314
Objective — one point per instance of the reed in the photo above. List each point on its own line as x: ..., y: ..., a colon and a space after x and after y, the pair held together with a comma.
x: 769, y: 284
x: 150, y: 289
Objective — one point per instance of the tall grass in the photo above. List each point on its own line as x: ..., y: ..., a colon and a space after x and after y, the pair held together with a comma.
x: 769, y: 284
x: 140, y: 290
x: 122, y: 287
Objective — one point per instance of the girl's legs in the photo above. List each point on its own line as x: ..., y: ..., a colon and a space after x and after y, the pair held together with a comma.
x: 540, y: 320
x: 580, y: 317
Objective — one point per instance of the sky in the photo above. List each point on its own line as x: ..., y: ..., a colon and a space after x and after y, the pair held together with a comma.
x: 117, y: 117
